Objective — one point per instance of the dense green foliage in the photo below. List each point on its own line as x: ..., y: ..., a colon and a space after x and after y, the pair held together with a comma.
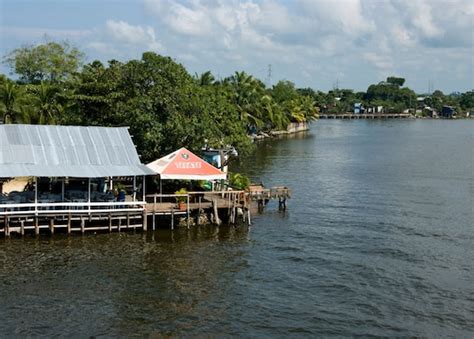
x: 239, y: 181
x: 166, y: 107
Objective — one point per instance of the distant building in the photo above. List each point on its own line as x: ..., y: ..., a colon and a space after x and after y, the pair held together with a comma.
x: 421, y: 103
x: 358, y: 108
x: 430, y: 112
x: 448, y: 112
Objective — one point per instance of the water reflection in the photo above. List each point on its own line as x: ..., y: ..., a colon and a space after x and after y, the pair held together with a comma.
x: 118, y: 283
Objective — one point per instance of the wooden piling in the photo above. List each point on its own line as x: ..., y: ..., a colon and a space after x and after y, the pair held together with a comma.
x: 145, y: 221
x: 69, y: 221
x: 187, y: 211
x: 217, y: 221
x: 7, y: 227
x: 37, y: 230
x: 198, y: 221
x: 172, y: 219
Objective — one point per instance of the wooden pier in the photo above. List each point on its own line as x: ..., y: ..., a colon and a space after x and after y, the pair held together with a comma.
x: 156, y: 210
x: 366, y: 116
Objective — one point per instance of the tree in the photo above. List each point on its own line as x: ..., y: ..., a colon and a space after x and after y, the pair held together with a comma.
x: 283, y: 91
x: 46, y: 108
x: 12, y: 97
x: 52, y: 61
x: 466, y: 101
x: 161, y: 102
x: 205, y: 79
x: 247, y: 93
x: 396, y: 81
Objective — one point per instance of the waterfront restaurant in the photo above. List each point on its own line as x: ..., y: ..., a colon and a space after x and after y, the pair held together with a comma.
x: 71, y: 177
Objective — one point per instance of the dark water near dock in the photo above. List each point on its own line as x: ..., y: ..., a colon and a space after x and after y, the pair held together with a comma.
x: 378, y: 240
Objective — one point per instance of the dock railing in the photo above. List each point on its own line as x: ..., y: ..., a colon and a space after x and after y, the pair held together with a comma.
x: 41, y: 208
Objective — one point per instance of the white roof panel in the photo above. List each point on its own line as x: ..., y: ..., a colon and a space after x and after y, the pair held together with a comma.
x: 73, y: 151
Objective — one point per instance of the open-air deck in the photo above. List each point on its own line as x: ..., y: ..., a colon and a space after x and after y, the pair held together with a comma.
x: 79, y: 179
x: 69, y: 173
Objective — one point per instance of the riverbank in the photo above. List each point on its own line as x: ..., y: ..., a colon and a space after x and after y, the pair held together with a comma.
x: 293, y: 128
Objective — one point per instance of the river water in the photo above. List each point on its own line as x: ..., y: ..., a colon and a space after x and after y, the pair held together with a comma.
x: 378, y: 240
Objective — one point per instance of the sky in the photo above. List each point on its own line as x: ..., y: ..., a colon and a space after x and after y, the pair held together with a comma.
x: 320, y: 44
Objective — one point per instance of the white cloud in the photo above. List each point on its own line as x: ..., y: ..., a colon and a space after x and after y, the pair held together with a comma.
x: 122, y: 40
x: 344, y: 16
x: 123, y: 32
x: 382, y: 62
x: 311, y: 42
x: 347, y: 38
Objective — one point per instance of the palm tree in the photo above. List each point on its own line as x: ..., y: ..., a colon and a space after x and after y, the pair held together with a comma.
x: 11, y: 97
x: 247, y: 94
x: 301, y: 109
x: 46, y: 107
x: 311, y: 111
x: 273, y: 113
x: 205, y: 79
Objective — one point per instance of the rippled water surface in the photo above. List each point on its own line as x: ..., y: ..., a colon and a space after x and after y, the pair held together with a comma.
x: 378, y: 240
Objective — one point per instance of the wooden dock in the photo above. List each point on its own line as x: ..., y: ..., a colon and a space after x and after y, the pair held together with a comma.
x: 156, y: 210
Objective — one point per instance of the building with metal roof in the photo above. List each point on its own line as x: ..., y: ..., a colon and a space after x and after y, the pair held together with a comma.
x: 68, y: 151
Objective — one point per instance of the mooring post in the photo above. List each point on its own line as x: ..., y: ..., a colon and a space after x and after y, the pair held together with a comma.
x: 83, y: 229
x: 22, y: 227
x: 51, y: 225
x: 110, y: 222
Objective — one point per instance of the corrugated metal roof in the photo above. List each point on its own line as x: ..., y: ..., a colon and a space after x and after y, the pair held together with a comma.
x: 73, y: 151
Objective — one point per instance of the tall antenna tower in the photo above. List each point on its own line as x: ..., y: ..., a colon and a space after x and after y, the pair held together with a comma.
x: 269, y: 75
x: 430, y: 87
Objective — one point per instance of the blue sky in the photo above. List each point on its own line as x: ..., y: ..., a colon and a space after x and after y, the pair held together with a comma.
x: 315, y: 43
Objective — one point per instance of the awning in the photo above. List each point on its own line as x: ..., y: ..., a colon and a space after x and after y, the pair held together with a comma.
x: 185, y: 165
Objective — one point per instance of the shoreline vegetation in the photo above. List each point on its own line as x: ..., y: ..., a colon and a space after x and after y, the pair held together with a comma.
x: 167, y: 108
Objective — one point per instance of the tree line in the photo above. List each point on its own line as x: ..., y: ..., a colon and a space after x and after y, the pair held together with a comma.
x: 163, y: 104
